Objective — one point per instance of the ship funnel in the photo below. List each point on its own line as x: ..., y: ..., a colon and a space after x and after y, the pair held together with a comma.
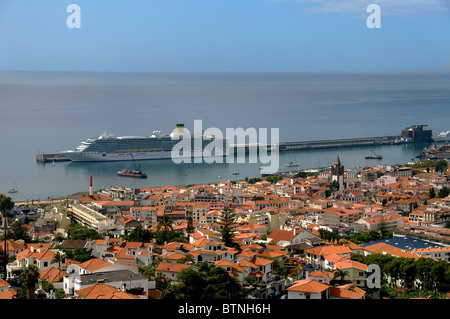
x: 180, y: 128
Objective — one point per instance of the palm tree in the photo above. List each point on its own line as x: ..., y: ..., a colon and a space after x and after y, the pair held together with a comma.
x: 5, y: 204
x: 166, y: 224
x: 30, y: 277
x: 58, y: 258
x: 341, y: 274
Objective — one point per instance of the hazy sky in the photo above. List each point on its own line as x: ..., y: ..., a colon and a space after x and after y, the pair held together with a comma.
x: 223, y: 35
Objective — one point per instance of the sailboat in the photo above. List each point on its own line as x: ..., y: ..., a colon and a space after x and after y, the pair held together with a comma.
x: 13, y: 189
x: 236, y: 172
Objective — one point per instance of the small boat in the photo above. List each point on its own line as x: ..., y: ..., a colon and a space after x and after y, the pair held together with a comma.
x: 378, y: 157
x: 291, y: 164
x: 133, y: 173
x: 13, y: 190
x: 235, y: 173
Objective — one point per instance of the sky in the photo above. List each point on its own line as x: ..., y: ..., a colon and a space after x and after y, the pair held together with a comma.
x: 223, y: 35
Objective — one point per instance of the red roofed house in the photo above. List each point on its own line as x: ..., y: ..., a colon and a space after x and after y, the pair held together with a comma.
x: 346, y: 292
x: 287, y: 237
x: 103, y: 291
x: 356, y: 272
x: 326, y: 256
x: 308, y: 289
x: 391, y: 220
x: 170, y: 270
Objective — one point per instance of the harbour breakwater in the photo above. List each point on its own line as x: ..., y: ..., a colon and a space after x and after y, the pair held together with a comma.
x: 413, y: 134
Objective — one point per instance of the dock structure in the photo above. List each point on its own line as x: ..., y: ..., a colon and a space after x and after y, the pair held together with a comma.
x: 322, y: 144
x: 412, y: 134
x: 46, y: 158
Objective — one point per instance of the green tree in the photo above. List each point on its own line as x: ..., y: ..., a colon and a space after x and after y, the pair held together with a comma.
x: 190, y: 225
x: 58, y: 258
x: 165, y: 224
x: 432, y: 193
x: 334, y: 186
x: 382, y: 228
x: 207, y: 281
x: 340, y: 273
x: 19, y: 232
x: 76, y: 231
x: 5, y: 205
x: 138, y: 234
x: 227, y: 221
x: 441, y: 166
x: 30, y: 277
x: 79, y: 254
x: 192, y: 282
x: 408, y: 271
x: 444, y: 192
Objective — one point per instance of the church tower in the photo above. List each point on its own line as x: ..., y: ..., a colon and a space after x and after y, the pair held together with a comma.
x: 337, y: 173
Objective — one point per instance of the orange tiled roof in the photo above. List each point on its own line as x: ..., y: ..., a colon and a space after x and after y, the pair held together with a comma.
x: 8, y: 294
x: 52, y: 275
x: 311, y: 286
x: 103, y: 291
x: 170, y: 267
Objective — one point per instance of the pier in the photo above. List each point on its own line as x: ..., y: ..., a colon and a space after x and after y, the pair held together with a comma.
x: 46, y: 158
x: 413, y: 134
x: 322, y: 144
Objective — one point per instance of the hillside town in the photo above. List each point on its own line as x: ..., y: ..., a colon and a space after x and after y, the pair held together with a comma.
x: 304, y: 236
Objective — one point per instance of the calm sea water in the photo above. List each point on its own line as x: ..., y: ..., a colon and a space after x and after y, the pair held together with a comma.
x: 52, y: 112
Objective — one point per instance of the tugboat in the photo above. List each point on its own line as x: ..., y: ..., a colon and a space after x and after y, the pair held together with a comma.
x: 134, y: 173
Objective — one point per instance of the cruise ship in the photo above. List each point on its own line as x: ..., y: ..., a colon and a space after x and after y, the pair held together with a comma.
x: 441, y: 137
x: 107, y: 147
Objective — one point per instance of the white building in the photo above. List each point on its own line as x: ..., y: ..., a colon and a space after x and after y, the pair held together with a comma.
x: 121, y: 279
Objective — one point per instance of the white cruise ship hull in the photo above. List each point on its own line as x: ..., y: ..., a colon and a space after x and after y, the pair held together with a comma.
x: 107, y: 148
x: 441, y: 138
x: 110, y: 157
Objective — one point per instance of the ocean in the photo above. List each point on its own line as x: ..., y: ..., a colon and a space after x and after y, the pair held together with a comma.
x: 48, y: 112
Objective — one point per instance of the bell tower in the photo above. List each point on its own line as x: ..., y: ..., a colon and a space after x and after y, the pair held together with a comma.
x: 337, y: 172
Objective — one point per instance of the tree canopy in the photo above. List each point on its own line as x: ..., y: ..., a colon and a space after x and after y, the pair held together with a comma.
x: 204, y: 281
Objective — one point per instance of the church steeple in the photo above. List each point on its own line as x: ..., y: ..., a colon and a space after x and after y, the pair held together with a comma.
x: 337, y: 172
x: 337, y: 161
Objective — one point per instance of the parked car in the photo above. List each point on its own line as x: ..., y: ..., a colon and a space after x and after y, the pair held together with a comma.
x: 40, y: 293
